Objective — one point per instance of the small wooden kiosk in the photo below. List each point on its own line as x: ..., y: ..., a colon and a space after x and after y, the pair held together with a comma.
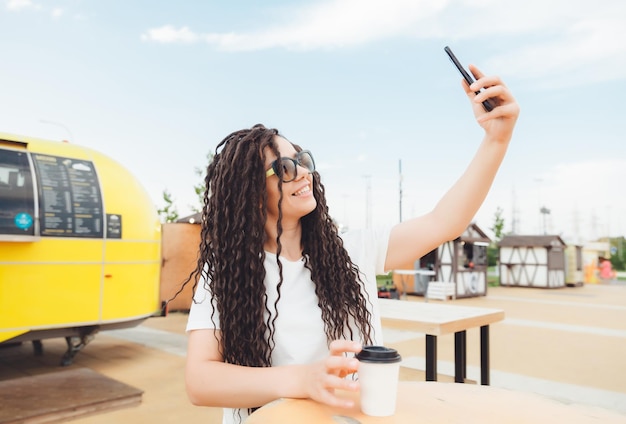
x: 532, y: 261
x: 463, y: 262
x: 459, y: 265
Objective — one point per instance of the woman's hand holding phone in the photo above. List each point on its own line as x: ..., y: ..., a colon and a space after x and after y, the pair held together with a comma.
x: 488, y: 104
x: 500, y: 105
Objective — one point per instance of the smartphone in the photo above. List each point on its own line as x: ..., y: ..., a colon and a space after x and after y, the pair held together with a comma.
x: 487, y: 104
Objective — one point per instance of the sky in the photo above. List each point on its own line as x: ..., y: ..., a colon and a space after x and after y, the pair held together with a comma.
x: 365, y: 85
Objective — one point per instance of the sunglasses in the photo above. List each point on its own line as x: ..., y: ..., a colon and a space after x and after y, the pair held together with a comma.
x: 287, y: 168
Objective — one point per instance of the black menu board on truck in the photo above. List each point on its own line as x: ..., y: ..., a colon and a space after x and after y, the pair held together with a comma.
x: 70, y: 201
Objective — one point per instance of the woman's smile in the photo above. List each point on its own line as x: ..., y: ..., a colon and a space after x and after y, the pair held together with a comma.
x: 306, y: 190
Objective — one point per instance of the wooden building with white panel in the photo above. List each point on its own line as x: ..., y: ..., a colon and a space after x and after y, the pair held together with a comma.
x: 532, y: 261
x: 457, y: 268
x: 463, y: 262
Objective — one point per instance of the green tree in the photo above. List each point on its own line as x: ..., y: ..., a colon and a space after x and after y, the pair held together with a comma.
x: 168, y: 213
x: 498, y: 231
x: 200, y: 186
x: 498, y: 224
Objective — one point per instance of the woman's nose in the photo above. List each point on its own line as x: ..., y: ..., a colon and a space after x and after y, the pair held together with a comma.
x: 302, y: 172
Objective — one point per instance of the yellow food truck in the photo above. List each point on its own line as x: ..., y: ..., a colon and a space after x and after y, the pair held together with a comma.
x: 80, y: 244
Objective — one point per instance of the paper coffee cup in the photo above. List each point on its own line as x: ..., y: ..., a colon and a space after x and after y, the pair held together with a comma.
x: 378, y: 376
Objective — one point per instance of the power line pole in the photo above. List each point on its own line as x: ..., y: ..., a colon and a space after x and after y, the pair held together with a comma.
x: 514, y: 213
x: 544, y: 213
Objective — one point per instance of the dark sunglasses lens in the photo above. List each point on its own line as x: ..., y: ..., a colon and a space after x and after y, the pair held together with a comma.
x: 289, y: 169
x: 306, y: 160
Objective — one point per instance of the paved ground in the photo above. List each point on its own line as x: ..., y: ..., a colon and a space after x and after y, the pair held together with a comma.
x: 566, y: 343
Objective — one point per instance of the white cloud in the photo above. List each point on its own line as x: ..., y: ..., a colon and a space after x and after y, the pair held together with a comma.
x: 17, y: 5
x: 169, y: 34
x: 329, y: 24
x: 23, y: 5
x: 558, y: 42
x: 57, y: 12
x: 586, y: 51
x: 341, y: 23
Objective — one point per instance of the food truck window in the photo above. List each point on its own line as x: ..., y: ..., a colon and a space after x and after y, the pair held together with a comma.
x: 17, y: 199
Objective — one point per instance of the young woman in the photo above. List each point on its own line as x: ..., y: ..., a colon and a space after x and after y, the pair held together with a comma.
x: 283, y: 301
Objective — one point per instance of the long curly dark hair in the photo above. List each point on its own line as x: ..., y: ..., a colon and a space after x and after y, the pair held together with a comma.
x: 231, y: 254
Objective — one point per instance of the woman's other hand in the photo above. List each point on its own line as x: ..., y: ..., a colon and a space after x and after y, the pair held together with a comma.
x: 324, y: 377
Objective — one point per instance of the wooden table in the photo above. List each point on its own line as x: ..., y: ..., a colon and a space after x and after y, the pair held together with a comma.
x: 432, y: 402
x: 435, y: 320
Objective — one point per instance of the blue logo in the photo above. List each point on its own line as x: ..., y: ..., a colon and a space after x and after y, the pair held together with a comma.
x: 23, y: 221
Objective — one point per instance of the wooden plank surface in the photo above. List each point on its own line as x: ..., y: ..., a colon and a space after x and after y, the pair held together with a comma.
x: 432, y: 402
x: 435, y: 319
x: 62, y: 395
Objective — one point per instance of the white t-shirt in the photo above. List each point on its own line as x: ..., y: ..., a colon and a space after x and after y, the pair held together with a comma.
x: 299, y: 333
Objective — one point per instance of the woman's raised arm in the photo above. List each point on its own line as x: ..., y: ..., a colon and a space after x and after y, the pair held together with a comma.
x: 412, y: 239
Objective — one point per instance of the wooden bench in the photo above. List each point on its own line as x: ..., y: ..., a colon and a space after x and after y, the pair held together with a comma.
x: 437, y: 319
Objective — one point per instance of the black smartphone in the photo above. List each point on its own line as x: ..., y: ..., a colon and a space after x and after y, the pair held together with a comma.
x: 487, y: 104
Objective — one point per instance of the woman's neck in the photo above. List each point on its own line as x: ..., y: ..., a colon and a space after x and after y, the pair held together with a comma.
x: 290, y: 240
